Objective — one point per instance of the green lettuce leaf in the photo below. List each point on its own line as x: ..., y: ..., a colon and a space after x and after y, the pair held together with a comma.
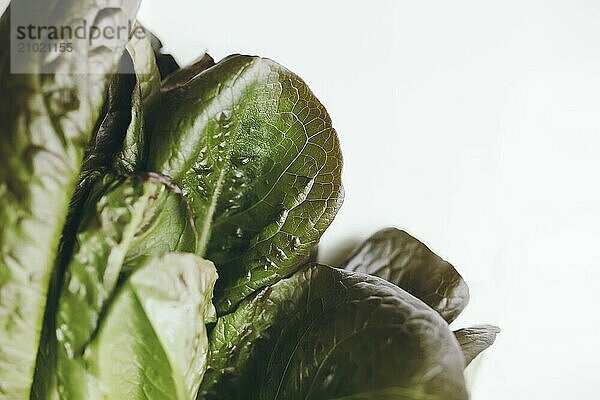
x: 117, y: 144
x: 326, y: 333
x: 46, y: 121
x: 125, y: 221
x: 475, y: 340
x: 255, y: 152
x: 188, y: 73
x: 109, y: 133
x: 396, y: 256
x: 145, y: 99
x: 152, y: 341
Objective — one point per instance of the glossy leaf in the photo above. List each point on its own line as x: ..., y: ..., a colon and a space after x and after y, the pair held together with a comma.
x: 46, y: 120
x: 125, y: 220
x: 394, y: 255
x: 476, y: 339
x: 255, y: 152
x: 152, y: 342
x: 326, y: 333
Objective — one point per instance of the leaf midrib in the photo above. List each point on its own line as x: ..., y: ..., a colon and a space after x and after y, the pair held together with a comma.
x: 205, y: 233
x: 207, y: 224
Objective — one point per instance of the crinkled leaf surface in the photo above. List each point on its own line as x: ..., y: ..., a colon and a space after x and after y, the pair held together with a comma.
x: 256, y: 154
x: 395, y: 255
x: 327, y: 333
x: 45, y: 122
x: 125, y: 221
x: 152, y: 341
x: 117, y: 144
x: 476, y: 339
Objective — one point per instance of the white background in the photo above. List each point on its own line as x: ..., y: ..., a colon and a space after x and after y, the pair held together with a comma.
x: 476, y: 127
